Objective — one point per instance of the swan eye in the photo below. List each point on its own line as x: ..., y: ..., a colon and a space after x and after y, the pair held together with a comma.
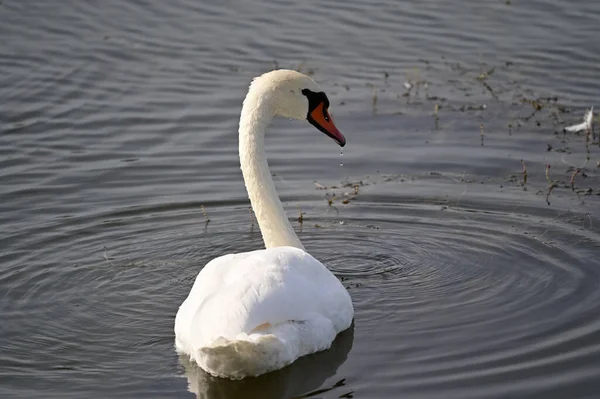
x: 314, y: 99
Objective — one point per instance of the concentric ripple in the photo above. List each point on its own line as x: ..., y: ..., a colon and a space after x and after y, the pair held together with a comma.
x: 458, y: 299
x: 447, y: 298
x: 119, y: 124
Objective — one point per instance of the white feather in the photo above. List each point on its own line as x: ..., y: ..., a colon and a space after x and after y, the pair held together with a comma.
x: 586, y: 125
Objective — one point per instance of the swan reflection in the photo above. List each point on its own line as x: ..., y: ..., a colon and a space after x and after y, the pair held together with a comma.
x: 305, y: 375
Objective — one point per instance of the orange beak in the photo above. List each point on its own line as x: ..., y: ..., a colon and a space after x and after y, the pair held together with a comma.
x: 320, y: 118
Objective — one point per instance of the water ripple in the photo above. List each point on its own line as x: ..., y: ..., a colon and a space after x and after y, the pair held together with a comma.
x: 119, y: 125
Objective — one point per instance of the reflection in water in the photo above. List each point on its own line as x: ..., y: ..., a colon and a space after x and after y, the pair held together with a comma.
x: 303, y: 376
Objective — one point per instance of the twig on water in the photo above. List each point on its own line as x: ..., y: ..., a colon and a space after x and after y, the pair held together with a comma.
x: 489, y: 88
x: 206, y: 219
x: 575, y: 173
x: 418, y: 81
x: 587, y: 146
x: 551, y: 184
x: 300, y: 215
x: 374, y: 94
x: 482, y: 78
x: 524, y: 173
x: 481, y: 133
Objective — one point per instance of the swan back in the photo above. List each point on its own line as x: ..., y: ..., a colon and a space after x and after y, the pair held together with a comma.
x: 254, y: 312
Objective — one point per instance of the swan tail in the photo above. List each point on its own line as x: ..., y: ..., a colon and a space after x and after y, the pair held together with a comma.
x: 266, y: 348
x: 252, y: 355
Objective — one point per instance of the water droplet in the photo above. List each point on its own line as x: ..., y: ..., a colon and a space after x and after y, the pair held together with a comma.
x: 341, y: 155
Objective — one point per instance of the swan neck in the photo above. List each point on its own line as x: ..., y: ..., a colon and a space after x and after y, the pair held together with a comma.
x: 274, y: 225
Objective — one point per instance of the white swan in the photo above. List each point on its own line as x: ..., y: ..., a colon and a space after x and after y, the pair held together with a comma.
x: 255, y: 312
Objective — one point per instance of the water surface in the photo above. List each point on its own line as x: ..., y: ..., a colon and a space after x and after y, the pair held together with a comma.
x: 118, y: 140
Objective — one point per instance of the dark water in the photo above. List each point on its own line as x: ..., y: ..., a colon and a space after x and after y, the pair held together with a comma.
x: 118, y: 130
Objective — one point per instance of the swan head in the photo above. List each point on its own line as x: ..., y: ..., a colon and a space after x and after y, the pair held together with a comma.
x: 296, y: 96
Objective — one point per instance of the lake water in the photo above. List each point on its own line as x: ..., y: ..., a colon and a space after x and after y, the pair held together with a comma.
x: 118, y: 141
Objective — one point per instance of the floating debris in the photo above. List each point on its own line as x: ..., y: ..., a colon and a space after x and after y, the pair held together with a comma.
x: 330, y: 199
x: 373, y: 98
x: 551, y: 184
x: 319, y: 186
x: 300, y: 215
x: 482, y: 78
x: 436, y: 116
x: 106, y: 257
x: 374, y: 93
x: 206, y: 219
x: 481, y: 133
x: 524, y: 172
x: 485, y: 75
x: 575, y: 173
x: 464, y: 108
x: 585, y: 125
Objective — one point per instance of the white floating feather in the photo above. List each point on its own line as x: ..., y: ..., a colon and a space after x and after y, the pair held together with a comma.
x: 586, y: 125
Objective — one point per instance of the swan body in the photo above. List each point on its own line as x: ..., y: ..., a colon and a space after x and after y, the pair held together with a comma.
x: 255, y: 312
